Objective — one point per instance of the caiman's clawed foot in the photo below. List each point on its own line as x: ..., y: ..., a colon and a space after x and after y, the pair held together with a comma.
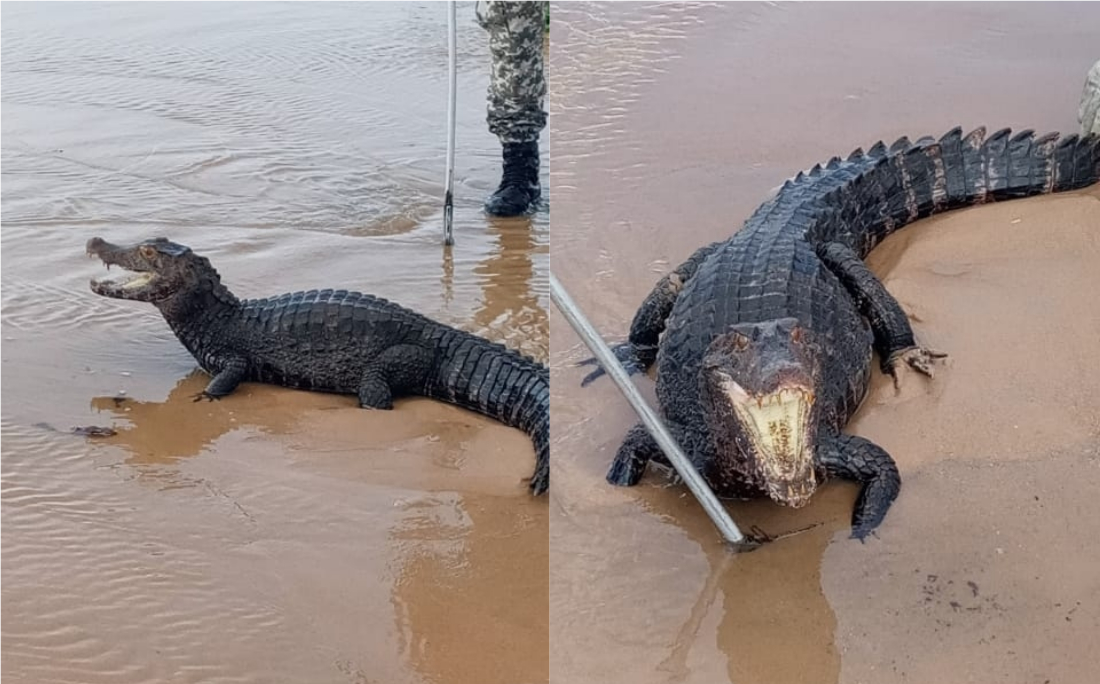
x: 632, y: 458
x: 626, y: 470
x: 204, y: 395
x: 917, y: 358
x: 627, y: 354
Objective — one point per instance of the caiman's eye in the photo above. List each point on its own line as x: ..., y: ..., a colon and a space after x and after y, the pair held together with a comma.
x: 796, y: 333
x: 740, y: 342
x: 147, y: 252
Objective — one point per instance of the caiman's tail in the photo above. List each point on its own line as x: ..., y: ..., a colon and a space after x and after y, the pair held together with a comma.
x: 497, y: 382
x: 862, y: 199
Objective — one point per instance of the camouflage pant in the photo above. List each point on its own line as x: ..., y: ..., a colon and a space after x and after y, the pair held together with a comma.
x: 517, y: 85
x: 1089, y: 113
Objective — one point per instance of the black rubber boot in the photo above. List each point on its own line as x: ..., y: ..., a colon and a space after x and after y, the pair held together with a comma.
x: 519, y: 190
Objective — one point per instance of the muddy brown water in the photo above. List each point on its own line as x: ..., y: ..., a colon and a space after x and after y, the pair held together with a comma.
x: 275, y: 536
x: 670, y: 123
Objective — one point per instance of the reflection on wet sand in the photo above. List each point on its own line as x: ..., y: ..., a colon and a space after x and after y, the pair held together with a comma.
x: 294, y: 476
x: 509, y: 313
x: 473, y: 570
x: 654, y: 596
x: 771, y: 619
x: 774, y: 623
x: 450, y: 583
x: 152, y: 434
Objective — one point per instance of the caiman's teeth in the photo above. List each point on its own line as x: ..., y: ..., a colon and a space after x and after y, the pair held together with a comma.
x: 126, y: 280
x: 137, y: 281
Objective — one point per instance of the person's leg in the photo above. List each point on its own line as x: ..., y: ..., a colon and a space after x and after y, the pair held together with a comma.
x: 517, y: 90
x: 1089, y: 113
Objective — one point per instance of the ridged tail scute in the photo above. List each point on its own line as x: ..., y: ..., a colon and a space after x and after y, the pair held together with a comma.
x: 890, y: 186
x: 499, y: 383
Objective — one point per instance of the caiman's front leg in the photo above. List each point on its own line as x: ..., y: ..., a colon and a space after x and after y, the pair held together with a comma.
x: 855, y: 458
x: 639, y: 352
x: 894, y: 339
x: 395, y: 371
x: 635, y: 453
x: 231, y: 375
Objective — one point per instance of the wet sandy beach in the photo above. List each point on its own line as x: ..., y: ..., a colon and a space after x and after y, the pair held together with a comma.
x: 274, y: 536
x: 670, y: 124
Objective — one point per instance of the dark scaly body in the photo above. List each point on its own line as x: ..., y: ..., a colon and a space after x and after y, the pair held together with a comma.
x: 349, y: 343
x: 800, y: 257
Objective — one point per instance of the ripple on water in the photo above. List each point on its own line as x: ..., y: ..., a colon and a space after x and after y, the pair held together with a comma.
x: 107, y: 588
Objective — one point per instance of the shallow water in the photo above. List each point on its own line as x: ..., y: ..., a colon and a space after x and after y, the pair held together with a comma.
x: 275, y: 535
x: 670, y: 123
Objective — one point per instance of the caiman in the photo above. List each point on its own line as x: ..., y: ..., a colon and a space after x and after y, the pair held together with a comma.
x: 763, y: 342
x: 331, y: 341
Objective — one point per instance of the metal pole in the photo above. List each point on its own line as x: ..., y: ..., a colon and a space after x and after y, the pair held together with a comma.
x: 452, y: 96
x: 714, y: 508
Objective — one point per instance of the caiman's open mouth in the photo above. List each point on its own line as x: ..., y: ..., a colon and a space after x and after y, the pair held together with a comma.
x: 127, y: 282
x: 135, y: 280
x: 778, y: 425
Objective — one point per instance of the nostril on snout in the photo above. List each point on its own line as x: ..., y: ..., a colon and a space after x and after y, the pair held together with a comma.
x: 94, y: 245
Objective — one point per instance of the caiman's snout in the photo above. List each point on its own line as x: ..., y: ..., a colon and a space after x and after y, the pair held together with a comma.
x: 98, y: 247
x: 95, y: 245
x: 795, y: 494
x: 109, y: 254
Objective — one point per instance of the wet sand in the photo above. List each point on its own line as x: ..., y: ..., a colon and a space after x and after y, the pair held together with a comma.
x: 274, y: 536
x: 670, y: 124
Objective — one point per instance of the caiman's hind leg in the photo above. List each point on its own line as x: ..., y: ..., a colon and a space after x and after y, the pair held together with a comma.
x: 633, y: 456
x: 639, y: 352
x: 395, y: 371
x: 855, y: 458
x: 894, y: 339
